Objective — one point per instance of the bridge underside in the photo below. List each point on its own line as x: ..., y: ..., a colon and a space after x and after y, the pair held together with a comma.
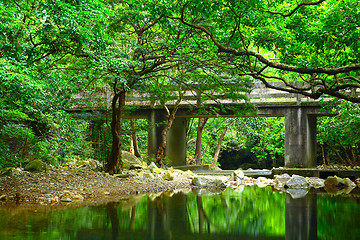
x: 300, y: 133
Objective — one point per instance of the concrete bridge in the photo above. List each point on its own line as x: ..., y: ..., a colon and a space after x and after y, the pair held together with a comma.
x: 300, y: 118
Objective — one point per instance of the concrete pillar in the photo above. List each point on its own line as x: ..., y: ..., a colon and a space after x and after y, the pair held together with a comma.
x: 154, y: 132
x: 300, y: 138
x: 311, y: 140
x: 176, y: 141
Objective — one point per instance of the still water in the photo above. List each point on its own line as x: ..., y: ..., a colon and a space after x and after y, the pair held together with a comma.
x: 246, y: 213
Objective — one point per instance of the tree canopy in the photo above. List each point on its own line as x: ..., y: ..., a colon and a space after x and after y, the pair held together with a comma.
x: 312, y: 47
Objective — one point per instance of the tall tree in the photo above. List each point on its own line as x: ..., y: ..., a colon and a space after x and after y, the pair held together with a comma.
x: 143, y: 50
x: 201, y: 125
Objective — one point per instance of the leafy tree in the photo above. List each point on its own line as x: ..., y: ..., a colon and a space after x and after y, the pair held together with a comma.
x: 338, y: 135
x: 46, y: 47
x: 311, y: 47
x: 153, y: 50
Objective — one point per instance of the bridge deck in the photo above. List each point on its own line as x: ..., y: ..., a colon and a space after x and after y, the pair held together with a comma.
x: 139, y: 103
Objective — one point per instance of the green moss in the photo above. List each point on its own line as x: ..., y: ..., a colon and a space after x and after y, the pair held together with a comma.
x: 36, y: 166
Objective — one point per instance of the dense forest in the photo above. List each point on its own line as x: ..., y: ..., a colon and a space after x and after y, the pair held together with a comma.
x: 53, y: 50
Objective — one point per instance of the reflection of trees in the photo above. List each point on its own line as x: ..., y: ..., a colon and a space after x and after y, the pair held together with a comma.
x: 111, y: 211
x: 230, y: 215
x: 254, y: 211
x: 202, y: 215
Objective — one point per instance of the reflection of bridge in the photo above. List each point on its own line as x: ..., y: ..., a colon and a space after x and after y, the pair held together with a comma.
x: 300, y: 118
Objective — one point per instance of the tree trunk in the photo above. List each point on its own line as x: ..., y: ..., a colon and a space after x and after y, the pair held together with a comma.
x: 202, y: 122
x: 206, y: 147
x: 161, y: 149
x: 218, y: 147
x: 134, y: 138
x: 117, y: 106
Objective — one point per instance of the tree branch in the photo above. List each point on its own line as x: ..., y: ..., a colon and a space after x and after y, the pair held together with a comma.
x: 296, y: 8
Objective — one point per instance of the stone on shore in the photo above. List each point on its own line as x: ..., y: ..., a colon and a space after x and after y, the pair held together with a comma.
x: 316, y: 182
x: 336, y: 185
x: 263, y: 182
x: 168, y: 175
x: 208, y: 182
x: 130, y: 161
x: 280, y: 180
x: 154, y: 169
x: 297, y: 181
x: 349, y: 183
x: 237, y: 175
x: 335, y: 182
x: 36, y: 166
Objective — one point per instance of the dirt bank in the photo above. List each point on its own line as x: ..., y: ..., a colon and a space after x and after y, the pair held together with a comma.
x: 57, y: 186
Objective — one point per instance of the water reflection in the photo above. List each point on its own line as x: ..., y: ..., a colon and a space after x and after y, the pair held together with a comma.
x: 248, y: 213
x: 301, y: 217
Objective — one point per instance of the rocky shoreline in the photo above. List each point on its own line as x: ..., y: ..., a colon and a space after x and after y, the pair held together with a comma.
x: 84, y: 185
x: 82, y: 182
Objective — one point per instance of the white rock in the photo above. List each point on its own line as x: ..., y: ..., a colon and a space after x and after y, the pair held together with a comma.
x: 297, y: 181
x: 207, y: 182
x: 316, y: 182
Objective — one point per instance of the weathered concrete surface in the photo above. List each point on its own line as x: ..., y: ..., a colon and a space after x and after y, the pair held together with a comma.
x: 313, y: 172
x: 176, y: 143
x: 192, y: 167
x: 176, y: 140
x: 249, y: 173
x: 300, y: 138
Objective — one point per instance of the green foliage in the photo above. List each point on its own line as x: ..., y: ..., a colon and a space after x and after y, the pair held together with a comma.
x: 338, y: 135
x: 263, y: 137
x: 269, y: 146
x: 46, y: 48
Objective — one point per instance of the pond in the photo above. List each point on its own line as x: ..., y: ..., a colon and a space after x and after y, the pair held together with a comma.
x: 249, y: 212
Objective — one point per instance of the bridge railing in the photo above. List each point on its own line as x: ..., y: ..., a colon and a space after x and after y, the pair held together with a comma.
x: 259, y: 94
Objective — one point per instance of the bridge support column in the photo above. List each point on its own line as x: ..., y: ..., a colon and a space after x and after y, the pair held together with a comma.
x: 154, y: 132
x: 176, y: 140
x: 176, y: 143
x: 300, y: 138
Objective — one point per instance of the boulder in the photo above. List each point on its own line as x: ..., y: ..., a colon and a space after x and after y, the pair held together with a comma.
x: 335, y: 182
x: 316, y: 182
x: 90, y: 164
x: 349, y: 183
x: 280, y: 180
x: 154, y: 169
x: 237, y: 175
x: 168, y: 175
x: 297, y: 181
x: 36, y: 166
x: 130, y: 161
x: 358, y: 182
x: 207, y: 182
x: 263, y: 182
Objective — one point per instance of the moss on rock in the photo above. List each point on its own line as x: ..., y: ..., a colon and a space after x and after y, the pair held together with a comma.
x: 36, y: 166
